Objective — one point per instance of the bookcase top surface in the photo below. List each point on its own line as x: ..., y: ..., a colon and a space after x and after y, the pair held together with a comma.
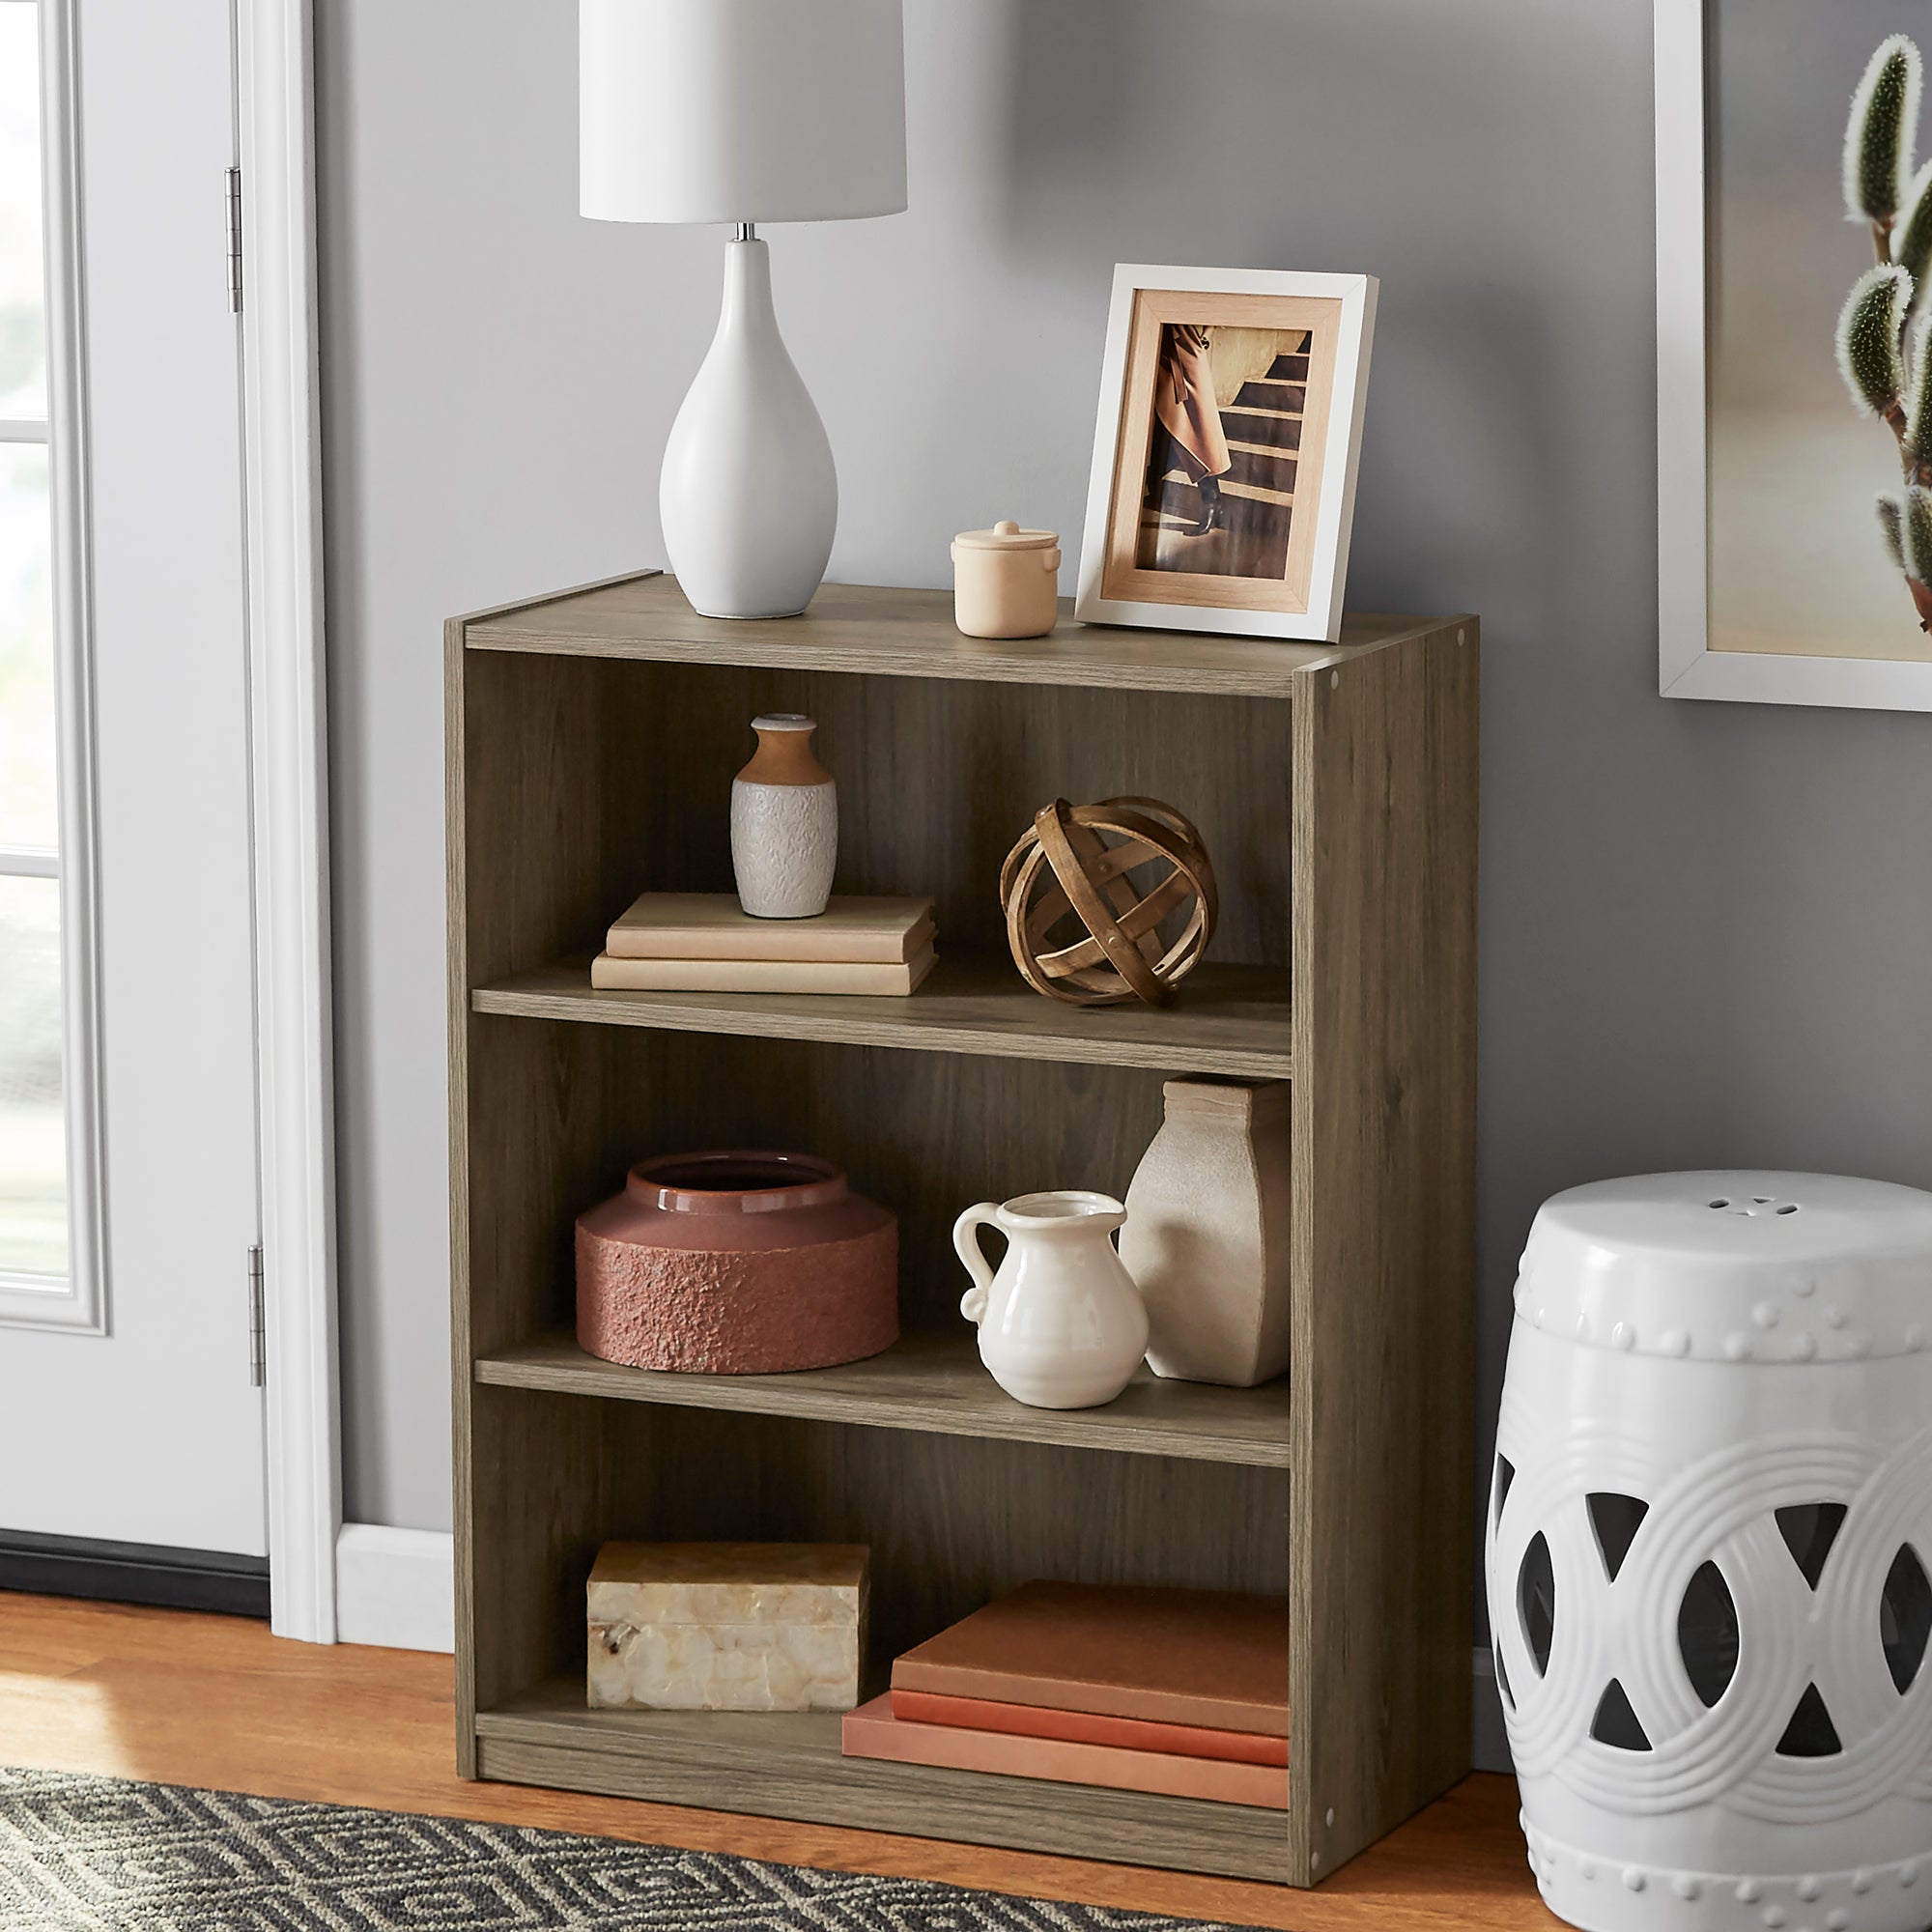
x: 894, y: 633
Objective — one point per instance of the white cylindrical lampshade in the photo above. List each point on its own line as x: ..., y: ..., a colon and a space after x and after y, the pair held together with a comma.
x: 740, y: 110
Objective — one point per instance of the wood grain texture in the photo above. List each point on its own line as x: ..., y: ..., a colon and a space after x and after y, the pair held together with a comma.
x: 592, y: 741
x: 874, y: 631
x: 792, y: 1768
x: 1227, y: 1019
x: 936, y: 1384
x: 456, y: 784
x: 951, y: 1521
x: 218, y: 1703
x: 561, y: 1112
x: 1382, y: 1427
x: 592, y: 781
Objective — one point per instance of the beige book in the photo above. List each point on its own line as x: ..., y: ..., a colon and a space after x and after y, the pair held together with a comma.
x: 713, y: 925
x: 755, y: 976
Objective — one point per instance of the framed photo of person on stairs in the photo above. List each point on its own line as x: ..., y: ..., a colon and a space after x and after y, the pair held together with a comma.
x: 1224, y: 459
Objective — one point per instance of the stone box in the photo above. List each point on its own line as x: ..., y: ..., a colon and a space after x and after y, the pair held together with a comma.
x: 727, y: 1626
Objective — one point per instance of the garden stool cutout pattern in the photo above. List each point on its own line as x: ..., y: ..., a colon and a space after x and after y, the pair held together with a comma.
x: 1710, y: 1553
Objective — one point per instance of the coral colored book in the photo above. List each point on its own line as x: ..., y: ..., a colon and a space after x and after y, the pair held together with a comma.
x: 713, y: 925
x: 872, y: 1731
x: 1210, y: 1659
x: 755, y: 976
x: 1082, y: 1727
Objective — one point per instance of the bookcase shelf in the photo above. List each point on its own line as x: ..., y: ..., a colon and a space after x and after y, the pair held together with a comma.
x: 872, y: 631
x: 545, y: 1736
x: 592, y: 737
x: 1228, y: 1019
x: 935, y: 1384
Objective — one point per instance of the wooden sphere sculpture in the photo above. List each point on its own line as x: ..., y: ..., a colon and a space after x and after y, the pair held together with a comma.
x: 1065, y: 870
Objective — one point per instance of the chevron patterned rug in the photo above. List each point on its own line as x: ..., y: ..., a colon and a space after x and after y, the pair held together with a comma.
x: 85, y: 1854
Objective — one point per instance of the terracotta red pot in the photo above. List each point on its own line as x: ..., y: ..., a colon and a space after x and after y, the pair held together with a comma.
x: 736, y: 1263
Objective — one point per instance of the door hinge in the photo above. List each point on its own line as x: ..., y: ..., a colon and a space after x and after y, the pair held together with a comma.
x: 235, y: 239
x: 258, y: 1323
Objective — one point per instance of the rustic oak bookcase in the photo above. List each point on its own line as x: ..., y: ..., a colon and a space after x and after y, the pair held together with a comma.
x: 592, y: 739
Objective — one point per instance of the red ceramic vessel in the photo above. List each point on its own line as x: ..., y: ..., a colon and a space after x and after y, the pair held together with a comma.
x: 736, y: 1263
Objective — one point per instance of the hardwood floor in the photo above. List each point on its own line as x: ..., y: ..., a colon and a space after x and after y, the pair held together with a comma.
x: 218, y: 1702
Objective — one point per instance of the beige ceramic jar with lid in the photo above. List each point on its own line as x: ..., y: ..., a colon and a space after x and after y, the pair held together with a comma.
x: 1006, y: 581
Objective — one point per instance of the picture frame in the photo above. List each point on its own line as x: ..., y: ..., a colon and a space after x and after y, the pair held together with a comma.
x: 1701, y: 631
x: 1213, y: 511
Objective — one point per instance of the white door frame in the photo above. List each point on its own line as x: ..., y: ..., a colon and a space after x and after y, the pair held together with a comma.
x: 281, y: 437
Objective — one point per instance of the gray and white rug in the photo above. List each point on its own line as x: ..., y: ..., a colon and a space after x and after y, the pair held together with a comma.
x: 85, y: 1854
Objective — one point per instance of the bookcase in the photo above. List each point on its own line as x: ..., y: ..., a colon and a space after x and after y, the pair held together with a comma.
x: 592, y: 736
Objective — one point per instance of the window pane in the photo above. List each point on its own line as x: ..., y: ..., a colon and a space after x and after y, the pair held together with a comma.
x: 33, y: 1151
x: 27, y: 790
x: 24, y: 336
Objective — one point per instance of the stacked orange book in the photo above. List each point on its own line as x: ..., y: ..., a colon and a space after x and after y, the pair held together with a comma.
x: 1179, y: 1691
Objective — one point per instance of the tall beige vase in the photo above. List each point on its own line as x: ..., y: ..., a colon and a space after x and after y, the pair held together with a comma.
x: 1206, y: 1234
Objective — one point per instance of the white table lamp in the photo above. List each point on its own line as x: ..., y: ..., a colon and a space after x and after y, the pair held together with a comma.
x: 744, y: 111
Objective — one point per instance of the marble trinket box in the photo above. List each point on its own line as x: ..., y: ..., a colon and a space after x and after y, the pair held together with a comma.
x: 727, y: 1626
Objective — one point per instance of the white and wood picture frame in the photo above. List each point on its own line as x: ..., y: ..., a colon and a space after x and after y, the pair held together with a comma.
x: 1225, y: 454
x: 1774, y: 586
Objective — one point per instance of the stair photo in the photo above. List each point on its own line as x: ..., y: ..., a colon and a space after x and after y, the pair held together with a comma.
x: 1223, y: 484
x: 1221, y: 506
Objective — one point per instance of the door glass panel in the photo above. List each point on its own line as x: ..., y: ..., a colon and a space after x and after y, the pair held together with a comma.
x: 23, y: 342
x: 28, y: 795
x: 33, y: 1151
x: 33, y: 1156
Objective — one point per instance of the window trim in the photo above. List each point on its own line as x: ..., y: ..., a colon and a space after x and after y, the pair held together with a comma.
x: 78, y: 1304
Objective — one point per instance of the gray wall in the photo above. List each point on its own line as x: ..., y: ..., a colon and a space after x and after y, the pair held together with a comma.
x: 1707, y: 929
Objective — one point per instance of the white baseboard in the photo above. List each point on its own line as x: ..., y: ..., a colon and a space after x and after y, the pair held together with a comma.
x: 395, y: 1587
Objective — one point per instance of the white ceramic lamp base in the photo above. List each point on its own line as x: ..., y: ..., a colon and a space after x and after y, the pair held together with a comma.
x: 749, y: 496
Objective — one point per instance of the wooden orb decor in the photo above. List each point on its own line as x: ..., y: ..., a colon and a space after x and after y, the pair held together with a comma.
x: 1065, y: 873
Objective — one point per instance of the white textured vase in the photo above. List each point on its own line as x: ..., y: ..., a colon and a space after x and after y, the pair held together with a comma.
x: 784, y: 823
x: 1206, y: 1238
x: 1710, y: 1553
x: 749, y: 496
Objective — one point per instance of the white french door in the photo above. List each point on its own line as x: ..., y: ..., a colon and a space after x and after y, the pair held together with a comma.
x: 129, y: 1405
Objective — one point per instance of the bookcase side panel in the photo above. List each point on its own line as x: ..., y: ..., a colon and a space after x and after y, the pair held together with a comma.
x: 526, y: 833
x: 456, y: 802
x: 1381, y: 1423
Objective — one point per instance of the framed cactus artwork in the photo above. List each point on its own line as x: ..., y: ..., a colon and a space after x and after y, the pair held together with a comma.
x: 1794, y: 347
x: 1224, y: 462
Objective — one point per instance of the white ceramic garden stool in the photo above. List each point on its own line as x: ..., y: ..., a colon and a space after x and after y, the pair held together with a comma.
x: 1710, y: 1553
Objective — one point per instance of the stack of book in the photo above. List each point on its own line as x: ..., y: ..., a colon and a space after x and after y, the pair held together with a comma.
x: 1179, y: 1691
x: 705, y: 942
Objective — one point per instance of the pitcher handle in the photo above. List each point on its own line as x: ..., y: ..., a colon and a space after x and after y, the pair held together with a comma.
x: 966, y: 1246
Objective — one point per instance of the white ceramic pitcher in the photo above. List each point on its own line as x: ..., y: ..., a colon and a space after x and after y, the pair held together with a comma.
x: 1062, y: 1324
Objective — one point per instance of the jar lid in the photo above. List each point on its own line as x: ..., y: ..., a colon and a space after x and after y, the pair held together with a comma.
x: 1007, y: 534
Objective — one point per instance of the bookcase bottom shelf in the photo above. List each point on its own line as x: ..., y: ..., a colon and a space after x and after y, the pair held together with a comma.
x: 786, y: 1765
